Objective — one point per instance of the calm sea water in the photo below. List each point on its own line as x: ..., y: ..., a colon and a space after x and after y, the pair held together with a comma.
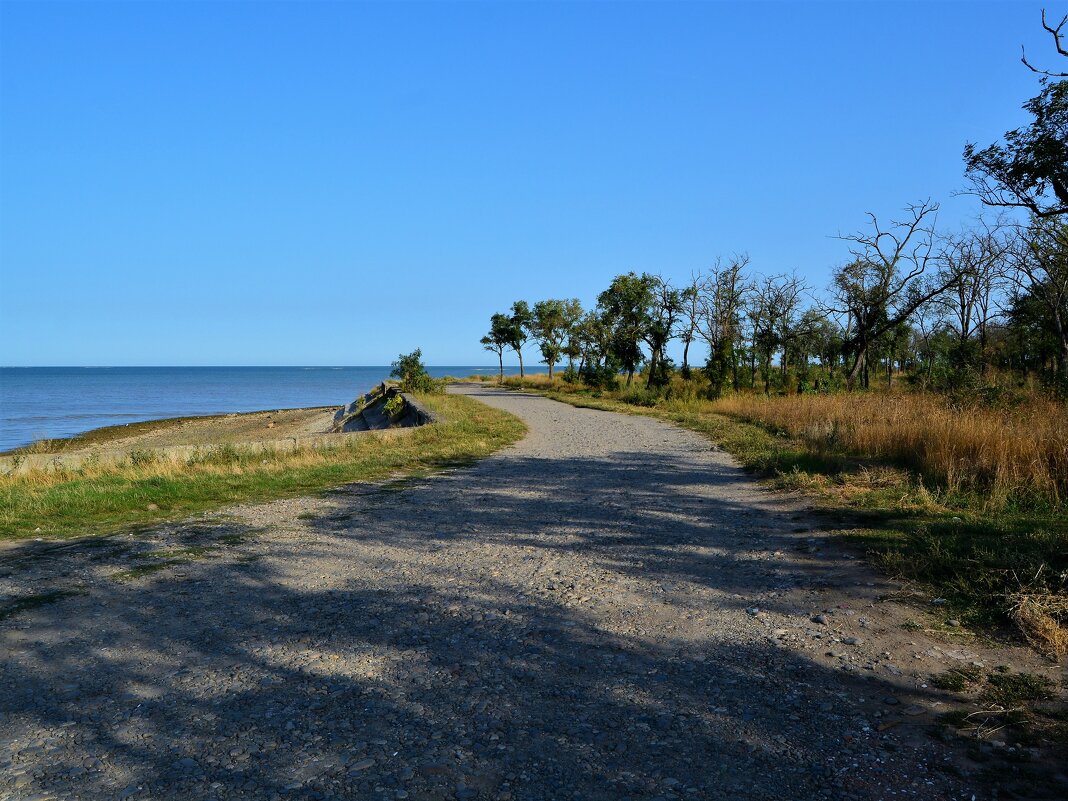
x: 40, y: 402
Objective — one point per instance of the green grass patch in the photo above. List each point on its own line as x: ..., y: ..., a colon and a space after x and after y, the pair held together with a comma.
x: 113, y: 498
x: 1013, y: 689
x: 958, y: 680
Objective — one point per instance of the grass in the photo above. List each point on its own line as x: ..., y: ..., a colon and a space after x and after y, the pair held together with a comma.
x: 969, y: 503
x: 104, y: 498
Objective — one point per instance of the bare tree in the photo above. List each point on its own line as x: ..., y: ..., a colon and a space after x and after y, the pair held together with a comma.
x: 977, y: 258
x: 691, y: 317
x: 1056, y: 33
x: 880, y: 288
x: 720, y: 301
x: 790, y: 325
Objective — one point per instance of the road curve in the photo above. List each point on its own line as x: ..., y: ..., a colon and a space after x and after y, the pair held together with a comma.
x: 609, y: 609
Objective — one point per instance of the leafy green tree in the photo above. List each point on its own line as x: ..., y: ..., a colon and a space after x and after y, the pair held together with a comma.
x: 411, y: 371
x: 1030, y: 169
x: 549, y: 326
x: 1041, y: 271
x: 665, y: 308
x: 572, y: 319
x: 519, y: 330
x: 625, y: 308
x: 498, y: 338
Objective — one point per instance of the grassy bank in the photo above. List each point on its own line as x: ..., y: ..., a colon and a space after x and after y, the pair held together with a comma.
x: 146, y: 489
x: 967, y: 503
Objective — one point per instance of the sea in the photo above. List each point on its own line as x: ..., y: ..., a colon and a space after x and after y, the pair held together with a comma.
x: 52, y: 402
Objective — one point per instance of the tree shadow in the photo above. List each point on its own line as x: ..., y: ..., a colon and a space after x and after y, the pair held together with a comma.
x: 446, y: 651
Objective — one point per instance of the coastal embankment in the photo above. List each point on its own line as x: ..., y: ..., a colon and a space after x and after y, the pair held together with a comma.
x: 197, y: 438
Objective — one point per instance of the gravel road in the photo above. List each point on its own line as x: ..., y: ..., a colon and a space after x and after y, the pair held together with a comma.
x: 609, y: 609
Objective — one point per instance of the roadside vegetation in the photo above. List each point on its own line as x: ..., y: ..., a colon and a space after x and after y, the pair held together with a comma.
x: 920, y: 394
x: 991, y: 543
x: 147, y: 487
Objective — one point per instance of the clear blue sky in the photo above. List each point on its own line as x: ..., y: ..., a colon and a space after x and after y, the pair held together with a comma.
x: 334, y: 183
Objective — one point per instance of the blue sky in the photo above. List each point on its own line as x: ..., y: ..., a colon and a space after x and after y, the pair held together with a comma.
x: 334, y: 183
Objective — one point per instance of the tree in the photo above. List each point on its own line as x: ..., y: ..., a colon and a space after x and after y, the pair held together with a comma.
x: 720, y: 301
x: 881, y: 287
x: 498, y: 338
x: 1041, y: 271
x: 625, y: 308
x: 1030, y: 170
x: 549, y: 326
x: 519, y: 329
x: 691, y: 318
x: 411, y: 371
x: 664, y: 311
x: 1058, y: 45
x: 976, y: 258
x: 572, y: 319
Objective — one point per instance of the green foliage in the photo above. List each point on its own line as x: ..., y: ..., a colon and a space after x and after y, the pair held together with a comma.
x: 600, y: 376
x: 958, y: 679
x: 412, y: 373
x: 625, y: 309
x: 550, y: 324
x: 394, y: 407
x: 641, y: 396
x: 72, y: 505
x: 1012, y: 689
x: 1031, y: 168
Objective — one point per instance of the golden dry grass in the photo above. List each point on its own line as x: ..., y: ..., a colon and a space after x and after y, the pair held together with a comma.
x: 1001, y: 453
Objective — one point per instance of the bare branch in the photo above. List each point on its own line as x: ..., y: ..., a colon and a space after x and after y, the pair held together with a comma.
x: 1055, y: 32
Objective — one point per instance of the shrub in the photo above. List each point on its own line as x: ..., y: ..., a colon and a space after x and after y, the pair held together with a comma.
x: 394, y: 407
x: 411, y: 371
x: 640, y: 396
x: 598, y: 377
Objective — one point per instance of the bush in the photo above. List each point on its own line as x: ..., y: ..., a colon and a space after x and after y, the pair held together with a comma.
x: 411, y: 371
x: 598, y: 377
x: 394, y: 407
x: 640, y: 396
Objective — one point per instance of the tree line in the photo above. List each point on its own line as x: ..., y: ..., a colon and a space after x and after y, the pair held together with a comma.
x: 944, y: 307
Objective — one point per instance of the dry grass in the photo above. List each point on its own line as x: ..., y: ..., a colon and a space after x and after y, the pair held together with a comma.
x: 1004, y: 454
x: 149, y: 486
x: 1038, y: 616
x: 968, y: 501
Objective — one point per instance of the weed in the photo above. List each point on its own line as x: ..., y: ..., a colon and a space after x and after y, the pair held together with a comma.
x: 958, y: 679
x: 1012, y: 689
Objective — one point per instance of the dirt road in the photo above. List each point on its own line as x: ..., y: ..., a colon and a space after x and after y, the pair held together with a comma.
x: 608, y: 610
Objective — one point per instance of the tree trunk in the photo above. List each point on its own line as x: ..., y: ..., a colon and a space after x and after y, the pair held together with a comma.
x: 686, y: 359
x: 500, y: 360
x: 630, y: 376
x: 857, y: 369
x: 520, y: 354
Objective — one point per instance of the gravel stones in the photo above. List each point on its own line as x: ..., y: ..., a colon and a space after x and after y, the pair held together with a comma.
x: 604, y: 611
